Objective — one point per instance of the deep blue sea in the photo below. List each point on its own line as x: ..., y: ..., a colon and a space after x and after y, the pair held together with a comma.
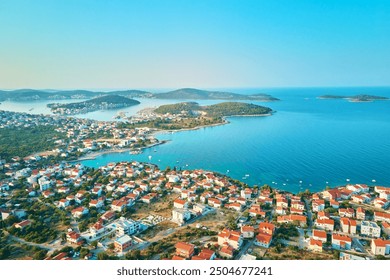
x: 308, y: 143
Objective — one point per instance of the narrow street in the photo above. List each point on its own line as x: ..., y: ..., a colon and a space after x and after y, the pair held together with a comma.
x: 54, y: 245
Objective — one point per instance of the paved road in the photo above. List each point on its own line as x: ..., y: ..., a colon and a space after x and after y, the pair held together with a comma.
x: 302, y: 243
x: 245, y: 248
x: 309, y: 213
x: 50, y: 247
x: 356, y: 244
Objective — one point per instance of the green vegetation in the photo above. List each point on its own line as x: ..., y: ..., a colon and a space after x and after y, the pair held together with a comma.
x: 31, y: 94
x: 106, y: 101
x: 286, y: 231
x: 192, y: 93
x: 45, y: 219
x: 25, y: 141
x: 235, y: 109
x: 224, y: 109
x: 184, y: 93
x: 178, y: 108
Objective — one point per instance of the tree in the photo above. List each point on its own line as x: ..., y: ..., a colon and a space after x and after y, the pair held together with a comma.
x: 94, y: 244
x: 133, y: 255
x: 40, y: 255
x: 84, y: 252
x: 63, y: 236
x: 103, y: 256
x: 11, y: 220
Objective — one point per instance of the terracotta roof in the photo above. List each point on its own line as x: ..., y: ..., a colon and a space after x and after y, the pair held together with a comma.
x: 177, y: 258
x: 319, y: 233
x: 180, y: 201
x: 314, y: 242
x: 184, y: 246
x: 326, y: 221
x: 197, y: 258
x: 227, y: 250
x: 382, y: 214
x: 341, y: 237
x: 380, y: 242
x: 206, y: 254
x: 247, y: 229
x: 264, y: 238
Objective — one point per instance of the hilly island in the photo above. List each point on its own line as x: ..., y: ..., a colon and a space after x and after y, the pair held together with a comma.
x: 190, y: 115
x: 356, y: 98
x: 184, y: 93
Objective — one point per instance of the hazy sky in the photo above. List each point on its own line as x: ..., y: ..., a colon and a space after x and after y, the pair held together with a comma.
x: 201, y: 43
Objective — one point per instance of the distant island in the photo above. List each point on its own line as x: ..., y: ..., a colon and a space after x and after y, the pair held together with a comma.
x: 99, y: 103
x: 32, y: 94
x: 356, y: 98
x: 183, y: 94
x: 197, y: 94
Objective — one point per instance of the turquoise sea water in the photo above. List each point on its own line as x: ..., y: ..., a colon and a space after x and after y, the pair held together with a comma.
x: 316, y: 142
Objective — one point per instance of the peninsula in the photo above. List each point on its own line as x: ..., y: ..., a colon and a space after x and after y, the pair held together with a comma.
x: 190, y: 115
x: 99, y: 103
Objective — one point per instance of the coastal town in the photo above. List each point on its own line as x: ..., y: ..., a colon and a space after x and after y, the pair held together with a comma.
x: 76, y: 137
x: 57, y: 209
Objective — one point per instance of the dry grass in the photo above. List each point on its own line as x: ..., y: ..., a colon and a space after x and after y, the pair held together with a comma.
x: 158, y: 231
x: 161, y: 207
x: 213, y: 221
x: 288, y: 253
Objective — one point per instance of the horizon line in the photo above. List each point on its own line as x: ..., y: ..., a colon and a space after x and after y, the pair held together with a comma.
x: 201, y: 88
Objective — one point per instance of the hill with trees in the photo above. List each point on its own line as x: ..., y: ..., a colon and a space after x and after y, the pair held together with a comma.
x: 223, y: 109
x: 99, y: 103
x: 356, y: 98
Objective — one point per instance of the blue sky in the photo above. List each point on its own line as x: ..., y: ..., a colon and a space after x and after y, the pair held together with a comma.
x: 203, y: 43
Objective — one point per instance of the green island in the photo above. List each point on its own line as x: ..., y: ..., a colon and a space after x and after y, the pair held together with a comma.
x: 224, y: 109
x: 356, y: 98
x: 193, y: 94
x: 190, y: 115
x: 99, y: 103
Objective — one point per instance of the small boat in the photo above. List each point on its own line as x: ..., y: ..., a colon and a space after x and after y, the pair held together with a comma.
x: 135, y: 152
x: 243, y: 178
x: 31, y: 109
x: 150, y: 157
x: 300, y: 182
x: 373, y: 180
x: 348, y: 180
x: 154, y: 150
x: 246, y: 175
